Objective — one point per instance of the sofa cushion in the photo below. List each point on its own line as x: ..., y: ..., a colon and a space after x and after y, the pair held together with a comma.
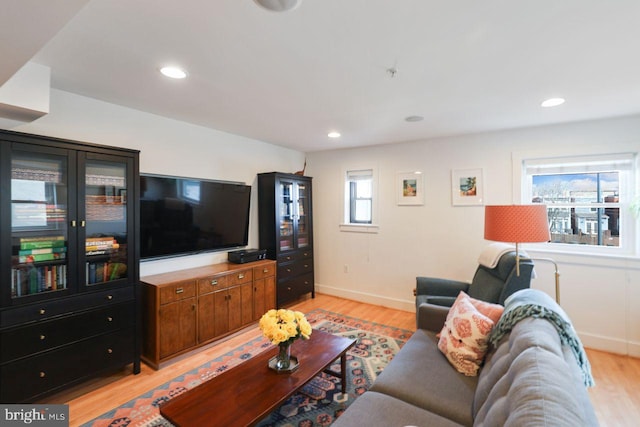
x: 422, y: 376
x: 532, y: 379
x: 463, y: 338
x: 375, y: 409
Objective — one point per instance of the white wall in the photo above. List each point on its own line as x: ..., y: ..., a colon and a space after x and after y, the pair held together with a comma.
x: 167, y: 147
x: 602, y: 295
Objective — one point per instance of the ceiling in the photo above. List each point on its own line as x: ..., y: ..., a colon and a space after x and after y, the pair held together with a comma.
x: 289, y: 78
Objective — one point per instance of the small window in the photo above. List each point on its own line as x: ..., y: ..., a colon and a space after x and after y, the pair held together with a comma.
x: 360, y: 191
x: 587, y: 198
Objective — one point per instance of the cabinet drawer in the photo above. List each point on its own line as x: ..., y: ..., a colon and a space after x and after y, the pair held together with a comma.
x: 295, y: 256
x: 239, y: 277
x: 26, y: 379
x: 264, y: 271
x: 177, y: 292
x: 211, y: 284
x: 295, y: 268
x: 48, y: 309
x: 46, y: 335
x: 293, y: 288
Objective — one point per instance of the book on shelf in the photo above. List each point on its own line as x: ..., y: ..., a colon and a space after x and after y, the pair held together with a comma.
x: 42, y: 242
x: 42, y: 251
x: 101, y: 245
x: 97, y: 272
x: 51, y: 256
x: 31, y: 280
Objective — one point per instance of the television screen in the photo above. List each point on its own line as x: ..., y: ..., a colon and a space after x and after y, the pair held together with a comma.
x: 180, y: 216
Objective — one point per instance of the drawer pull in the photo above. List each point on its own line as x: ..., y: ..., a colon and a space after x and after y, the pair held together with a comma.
x: 288, y: 270
x: 266, y: 270
x: 179, y: 290
x: 42, y: 337
x: 288, y: 288
x: 214, y: 282
x: 109, y: 319
x: 240, y: 276
x: 110, y: 351
x: 42, y: 311
x: 109, y: 297
x: 42, y: 374
x: 288, y: 258
x: 306, y: 266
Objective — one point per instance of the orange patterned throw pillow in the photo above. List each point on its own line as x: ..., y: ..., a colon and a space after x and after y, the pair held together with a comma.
x: 463, y: 339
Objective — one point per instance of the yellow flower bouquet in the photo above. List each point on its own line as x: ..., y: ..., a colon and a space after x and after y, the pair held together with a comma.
x: 284, y: 326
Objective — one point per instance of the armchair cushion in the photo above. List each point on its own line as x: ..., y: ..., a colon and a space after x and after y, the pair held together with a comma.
x: 437, y: 291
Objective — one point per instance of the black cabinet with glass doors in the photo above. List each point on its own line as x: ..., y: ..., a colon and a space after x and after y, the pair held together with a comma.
x: 68, y: 263
x: 286, y: 231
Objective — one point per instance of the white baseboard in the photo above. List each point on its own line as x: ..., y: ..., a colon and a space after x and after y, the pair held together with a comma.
x: 368, y: 298
x: 634, y: 349
x: 596, y: 342
x: 608, y: 344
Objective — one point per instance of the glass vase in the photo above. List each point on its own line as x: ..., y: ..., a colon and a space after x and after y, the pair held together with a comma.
x: 283, y: 359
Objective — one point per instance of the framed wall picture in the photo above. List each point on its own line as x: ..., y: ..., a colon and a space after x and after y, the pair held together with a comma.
x: 466, y: 187
x: 410, y: 188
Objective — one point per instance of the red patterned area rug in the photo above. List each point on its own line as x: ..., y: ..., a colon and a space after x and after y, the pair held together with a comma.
x: 318, y: 403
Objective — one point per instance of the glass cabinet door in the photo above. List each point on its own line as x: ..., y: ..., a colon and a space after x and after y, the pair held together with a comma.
x: 302, y: 215
x: 286, y: 216
x: 39, y: 224
x: 105, y: 227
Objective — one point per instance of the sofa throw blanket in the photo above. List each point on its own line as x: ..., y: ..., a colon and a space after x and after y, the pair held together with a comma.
x: 533, y: 303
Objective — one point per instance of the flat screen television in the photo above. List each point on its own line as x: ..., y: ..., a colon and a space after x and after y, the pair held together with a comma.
x: 181, y: 216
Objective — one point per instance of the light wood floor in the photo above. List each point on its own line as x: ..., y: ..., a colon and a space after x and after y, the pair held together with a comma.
x: 616, y: 396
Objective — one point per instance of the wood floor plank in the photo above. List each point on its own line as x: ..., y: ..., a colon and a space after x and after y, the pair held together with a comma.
x: 616, y: 396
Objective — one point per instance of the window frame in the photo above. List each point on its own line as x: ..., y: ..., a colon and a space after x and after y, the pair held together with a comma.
x: 347, y: 224
x: 628, y: 226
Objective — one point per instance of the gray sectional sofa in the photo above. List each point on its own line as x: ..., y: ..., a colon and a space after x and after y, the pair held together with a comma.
x: 529, y: 378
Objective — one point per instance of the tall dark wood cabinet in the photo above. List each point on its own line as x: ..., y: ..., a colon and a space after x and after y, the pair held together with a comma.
x: 68, y: 263
x: 286, y: 231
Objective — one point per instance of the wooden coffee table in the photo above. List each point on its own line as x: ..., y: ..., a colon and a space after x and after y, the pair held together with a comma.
x: 247, y: 393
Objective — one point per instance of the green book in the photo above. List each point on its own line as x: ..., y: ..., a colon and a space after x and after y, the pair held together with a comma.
x: 40, y: 244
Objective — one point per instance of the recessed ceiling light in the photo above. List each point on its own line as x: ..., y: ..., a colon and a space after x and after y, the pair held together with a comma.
x: 173, y: 72
x: 333, y: 134
x: 552, y: 102
x: 414, y: 118
x: 278, y: 5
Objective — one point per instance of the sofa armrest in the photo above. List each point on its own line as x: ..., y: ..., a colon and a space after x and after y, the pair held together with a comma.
x: 439, y: 287
x: 431, y: 317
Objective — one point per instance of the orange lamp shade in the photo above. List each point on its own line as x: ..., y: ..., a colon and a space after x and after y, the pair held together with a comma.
x: 516, y: 223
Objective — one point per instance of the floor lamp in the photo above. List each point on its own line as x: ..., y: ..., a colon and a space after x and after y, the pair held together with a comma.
x: 519, y: 224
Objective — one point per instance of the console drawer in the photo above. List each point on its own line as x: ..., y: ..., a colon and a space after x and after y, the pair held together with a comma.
x: 177, y: 292
x: 240, y: 277
x: 212, y: 284
x: 264, y: 271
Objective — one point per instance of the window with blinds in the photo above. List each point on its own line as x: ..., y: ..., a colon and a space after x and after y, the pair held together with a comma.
x: 360, y: 190
x: 587, y: 197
